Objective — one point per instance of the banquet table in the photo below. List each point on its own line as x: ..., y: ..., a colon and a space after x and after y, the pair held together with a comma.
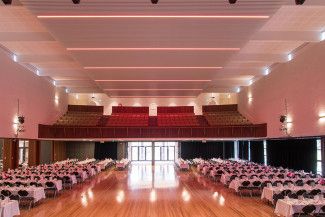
x: 288, y: 207
x: 268, y: 192
x: 236, y: 183
x: 9, y: 209
x: 57, y: 183
x: 37, y: 193
x: 86, y: 161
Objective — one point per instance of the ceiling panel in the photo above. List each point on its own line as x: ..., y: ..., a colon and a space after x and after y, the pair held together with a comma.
x: 42, y: 42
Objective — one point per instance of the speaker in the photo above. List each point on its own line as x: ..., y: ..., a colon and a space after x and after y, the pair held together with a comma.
x: 76, y: 2
x: 7, y: 2
x: 283, y: 118
x: 300, y: 2
x: 21, y: 119
x: 232, y: 1
x: 154, y: 2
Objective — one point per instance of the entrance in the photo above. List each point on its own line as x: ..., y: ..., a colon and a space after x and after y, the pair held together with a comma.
x: 152, y: 151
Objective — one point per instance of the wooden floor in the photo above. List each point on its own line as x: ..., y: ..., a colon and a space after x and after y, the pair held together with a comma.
x: 150, y: 191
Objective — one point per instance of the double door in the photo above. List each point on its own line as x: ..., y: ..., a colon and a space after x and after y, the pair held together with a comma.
x: 148, y: 151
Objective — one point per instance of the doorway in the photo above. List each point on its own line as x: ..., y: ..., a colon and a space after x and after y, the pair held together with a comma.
x: 152, y: 151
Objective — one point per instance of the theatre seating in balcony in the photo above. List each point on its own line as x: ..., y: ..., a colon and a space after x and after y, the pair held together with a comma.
x: 76, y: 118
x: 181, y: 119
x: 226, y: 118
x: 127, y: 119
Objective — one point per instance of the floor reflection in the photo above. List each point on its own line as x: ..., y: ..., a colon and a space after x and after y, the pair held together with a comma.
x: 143, y: 175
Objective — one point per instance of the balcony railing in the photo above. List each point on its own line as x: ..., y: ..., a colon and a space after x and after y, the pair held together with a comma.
x: 76, y: 132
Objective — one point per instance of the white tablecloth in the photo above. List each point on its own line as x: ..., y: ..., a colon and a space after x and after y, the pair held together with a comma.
x: 289, y: 207
x: 9, y: 209
x: 86, y: 161
x: 268, y: 192
x: 37, y: 193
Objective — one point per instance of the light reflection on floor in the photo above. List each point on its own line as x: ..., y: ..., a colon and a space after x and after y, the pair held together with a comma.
x: 143, y: 175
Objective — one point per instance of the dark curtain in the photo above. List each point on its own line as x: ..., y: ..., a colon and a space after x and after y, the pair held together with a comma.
x: 229, y: 149
x: 205, y: 150
x: 105, y: 150
x: 297, y: 154
x: 257, y: 152
x: 243, y: 150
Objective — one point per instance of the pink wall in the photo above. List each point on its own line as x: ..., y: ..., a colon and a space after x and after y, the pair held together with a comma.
x: 302, y: 82
x: 37, y: 99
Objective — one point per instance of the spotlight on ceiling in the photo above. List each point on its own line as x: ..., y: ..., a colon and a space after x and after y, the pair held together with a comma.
x: 154, y: 2
x: 76, y: 2
x: 7, y: 2
x: 300, y: 2
x: 232, y: 1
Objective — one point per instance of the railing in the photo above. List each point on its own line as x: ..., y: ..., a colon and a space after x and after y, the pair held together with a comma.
x: 73, y: 132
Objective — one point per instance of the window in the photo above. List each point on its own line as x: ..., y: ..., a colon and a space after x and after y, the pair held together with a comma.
x: 319, y: 157
x: 236, y: 153
x: 265, y: 152
x: 23, y: 152
x: 249, y: 150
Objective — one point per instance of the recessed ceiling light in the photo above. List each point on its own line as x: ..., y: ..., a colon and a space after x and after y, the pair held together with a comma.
x: 238, y: 89
x: 250, y: 82
x: 153, y: 48
x: 54, y: 83
x: 156, y: 16
x: 37, y: 72
x: 290, y: 57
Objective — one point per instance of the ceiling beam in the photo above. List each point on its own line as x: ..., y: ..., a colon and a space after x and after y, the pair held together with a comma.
x: 43, y: 58
x: 25, y: 36
x: 304, y: 36
x: 263, y: 57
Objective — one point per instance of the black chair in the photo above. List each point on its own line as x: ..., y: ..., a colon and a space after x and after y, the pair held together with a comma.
x: 264, y: 184
x: 313, y: 193
x: 311, y: 182
x: 281, y: 176
x: 245, y: 186
x: 277, y: 197
x: 78, y: 177
x: 242, y: 176
x: 14, y: 197
x: 256, y: 187
x: 50, y: 188
x: 25, y: 199
x: 299, y: 183
x: 308, y: 210
x: 301, y: 192
x: 287, y: 182
x: 285, y: 192
x: 276, y: 183
x: 33, y: 184
x: 232, y: 178
x: 293, y: 195
x: 6, y: 193
x: 67, y: 182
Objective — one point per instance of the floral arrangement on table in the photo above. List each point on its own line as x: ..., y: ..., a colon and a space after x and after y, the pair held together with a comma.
x: 321, y: 181
x: 291, y: 174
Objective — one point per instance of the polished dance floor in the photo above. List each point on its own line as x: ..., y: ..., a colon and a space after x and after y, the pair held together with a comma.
x: 146, y: 190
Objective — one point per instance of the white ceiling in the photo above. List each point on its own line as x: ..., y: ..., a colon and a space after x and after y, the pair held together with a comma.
x: 42, y: 43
